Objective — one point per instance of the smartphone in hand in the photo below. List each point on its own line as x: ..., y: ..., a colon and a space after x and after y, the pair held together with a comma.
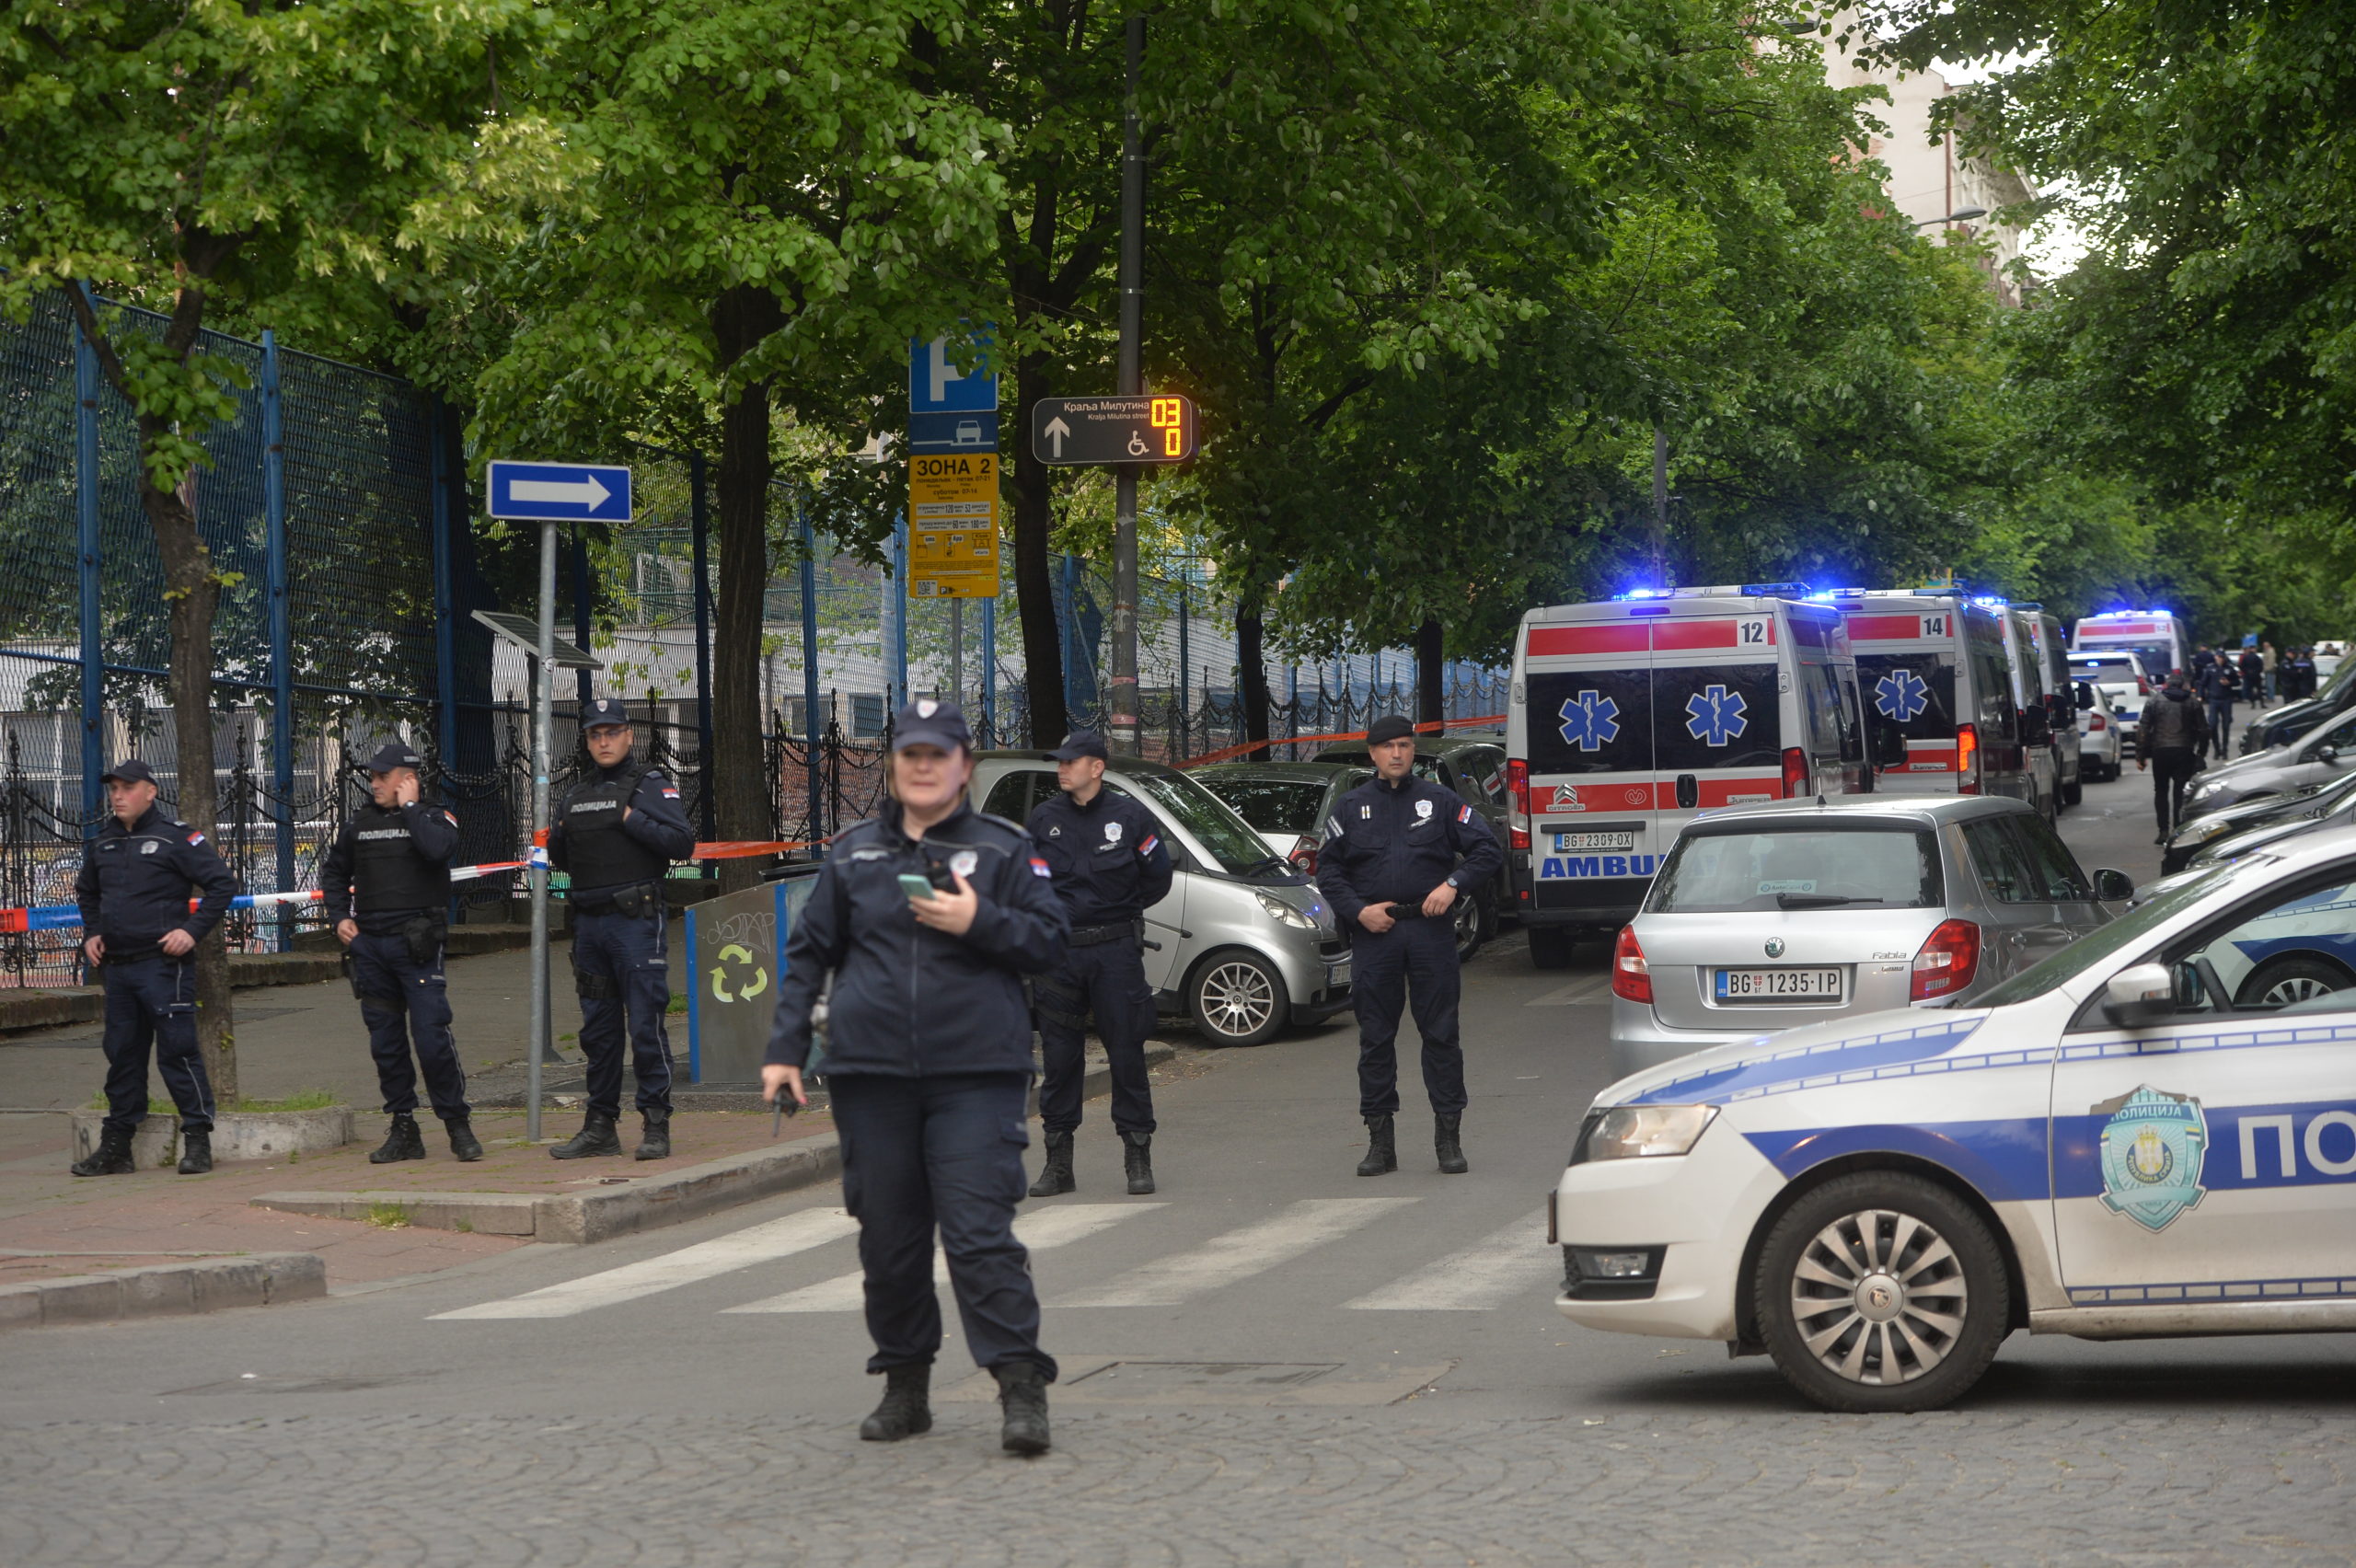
x: 916, y: 887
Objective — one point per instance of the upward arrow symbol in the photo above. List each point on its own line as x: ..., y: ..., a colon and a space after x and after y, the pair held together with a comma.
x: 1056, y: 432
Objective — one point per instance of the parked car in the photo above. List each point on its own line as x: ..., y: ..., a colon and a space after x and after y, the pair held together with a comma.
x: 1243, y: 943
x: 2268, y: 728
x: 2238, y: 830
x: 2124, y: 1141
x: 1772, y: 917
x: 1286, y: 803
x: 2102, y: 738
x: 2118, y: 674
x: 1471, y: 763
x: 2314, y: 759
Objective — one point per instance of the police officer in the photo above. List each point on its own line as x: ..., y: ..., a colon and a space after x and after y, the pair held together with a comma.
x: 928, y: 916
x: 616, y: 835
x: 134, y: 889
x: 386, y: 885
x: 1110, y: 866
x: 1390, y: 868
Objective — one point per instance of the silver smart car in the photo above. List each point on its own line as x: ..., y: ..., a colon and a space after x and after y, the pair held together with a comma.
x: 1243, y: 943
x: 1769, y: 917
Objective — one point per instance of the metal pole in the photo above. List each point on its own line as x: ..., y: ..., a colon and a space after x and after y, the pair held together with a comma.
x: 282, y: 627
x: 86, y: 518
x: 700, y: 507
x: 1077, y: 702
x: 446, y: 598
x: 1185, y: 672
x: 957, y: 651
x: 812, y: 726
x: 1124, y: 716
x: 989, y: 670
x: 580, y: 609
x: 1660, y: 505
x: 543, y: 716
x: 897, y: 597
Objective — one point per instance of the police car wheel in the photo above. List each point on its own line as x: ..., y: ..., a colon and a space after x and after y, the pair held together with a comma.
x: 1471, y: 929
x: 1882, y: 1292
x: 1238, y: 998
x: 2294, y: 977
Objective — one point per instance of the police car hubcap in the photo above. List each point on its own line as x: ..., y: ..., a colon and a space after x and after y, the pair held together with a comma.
x: 1236, y: 998
x: 1879, y: 1297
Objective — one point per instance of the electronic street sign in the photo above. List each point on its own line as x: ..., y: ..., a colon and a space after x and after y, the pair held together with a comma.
x: 559, y: 493
x: 952, y: 527
x: 525, y: 633
x: 953, y: 432
x: 937, y: 387
x: 1113, y: 430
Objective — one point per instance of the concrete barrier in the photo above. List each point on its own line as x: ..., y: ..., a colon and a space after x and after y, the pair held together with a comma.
x: 164, y: 1290
x: 236, y: 1136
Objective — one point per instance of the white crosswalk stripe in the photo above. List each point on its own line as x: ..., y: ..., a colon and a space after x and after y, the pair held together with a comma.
x: 1483, y: 1276
x: 1237, y: 1255
x: 1039, y: 1229
x: 755, y: 1244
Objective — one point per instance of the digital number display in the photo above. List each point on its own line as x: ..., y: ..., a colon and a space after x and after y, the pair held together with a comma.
x: 1170, y: 419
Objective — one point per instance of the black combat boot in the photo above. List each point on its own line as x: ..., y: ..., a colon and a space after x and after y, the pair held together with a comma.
x: 1023, y: 1398
x: 596, y: 1137
x: 464, y: 1145
x: 1448, y: 1144
x: 907, y: 1409
x: 1136, y: 1155
x: 1056, y: 1175
x: 1381, y: 1148
x: 402, y: 1141
x: 656, y: 1144
x: 196, y: 1152
x: 111, y: 1158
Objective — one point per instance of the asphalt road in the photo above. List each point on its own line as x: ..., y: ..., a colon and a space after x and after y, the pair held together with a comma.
x: 1271, y: 1361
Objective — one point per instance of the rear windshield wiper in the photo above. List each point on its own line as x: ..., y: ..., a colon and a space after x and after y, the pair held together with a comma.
x: 1817, y: 900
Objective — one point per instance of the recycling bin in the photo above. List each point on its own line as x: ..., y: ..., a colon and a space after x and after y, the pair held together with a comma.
x: 735, y: 962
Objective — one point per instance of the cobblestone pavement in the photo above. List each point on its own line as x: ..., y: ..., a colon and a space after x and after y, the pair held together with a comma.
x: 1184, y: 1489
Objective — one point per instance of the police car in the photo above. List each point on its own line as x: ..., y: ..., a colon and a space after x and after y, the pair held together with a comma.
x: 2150, y: 1133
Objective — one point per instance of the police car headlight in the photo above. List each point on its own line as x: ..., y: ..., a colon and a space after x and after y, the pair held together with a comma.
x: 2202, y: 832
x: 1637, y: 1131
x: 1284, y: 914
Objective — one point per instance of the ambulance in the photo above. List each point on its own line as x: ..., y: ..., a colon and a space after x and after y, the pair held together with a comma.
x: 2162, y: 640
x: 1628, y: 717
x: 1936, y: 668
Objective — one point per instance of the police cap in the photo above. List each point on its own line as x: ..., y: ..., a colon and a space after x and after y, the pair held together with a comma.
x: 392, y: 754
x: 1390, y: 727
x: 927, y: 722
x: 131, y: 770
x: 602, y: 711
x: 1080, y: 744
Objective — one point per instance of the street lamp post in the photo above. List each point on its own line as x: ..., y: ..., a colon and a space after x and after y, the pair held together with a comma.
x: 1960, y: 215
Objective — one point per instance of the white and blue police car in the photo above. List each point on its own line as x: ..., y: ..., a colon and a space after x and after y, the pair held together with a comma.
x: 2150, y: 1133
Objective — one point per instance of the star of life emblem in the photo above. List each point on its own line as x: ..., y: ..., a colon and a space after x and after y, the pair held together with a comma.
x: 1901, y: 695
x: 2153, y: 1148
x: 1714, y: 715
x: 1590, y: 721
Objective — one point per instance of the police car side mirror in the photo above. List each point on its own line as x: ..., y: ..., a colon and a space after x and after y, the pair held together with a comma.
x: 2141, y: 994
x: 2113, y: 887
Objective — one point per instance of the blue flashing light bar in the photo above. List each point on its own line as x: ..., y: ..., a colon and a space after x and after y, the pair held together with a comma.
x: 1776, y: 589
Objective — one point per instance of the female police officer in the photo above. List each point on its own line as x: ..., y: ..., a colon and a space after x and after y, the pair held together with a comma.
x: 929, y: 1062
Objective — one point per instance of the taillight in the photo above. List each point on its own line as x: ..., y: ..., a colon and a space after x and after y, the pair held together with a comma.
x: 1304, y: 855
x: 1967, y: 759
x: 2097, y: 721
x: 2143, y: 686
x: 1950, y: 957
x: 1795, y: 773
x: 1632, y: 981
x: 1517, y: 792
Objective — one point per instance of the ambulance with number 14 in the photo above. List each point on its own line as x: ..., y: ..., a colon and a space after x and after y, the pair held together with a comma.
x: 1628, y: 717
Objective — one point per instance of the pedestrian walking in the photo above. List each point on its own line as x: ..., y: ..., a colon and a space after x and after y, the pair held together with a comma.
x: 136, y: 877
x: 927, y: 917
x: 2253, y: 671
x: 1399, y: 852
x: 616, y: 835
x: 1110, y: 866
x: 2273, y: 666
x: 386, y: 886
x: 2169, y: 737
x: 2219, y: 686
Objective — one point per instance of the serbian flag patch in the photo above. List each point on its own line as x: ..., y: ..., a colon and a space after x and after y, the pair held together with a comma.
x: 1464, y: 813
x: 195, y: 838
x: 1039, y: 868
x: 1150, y: 840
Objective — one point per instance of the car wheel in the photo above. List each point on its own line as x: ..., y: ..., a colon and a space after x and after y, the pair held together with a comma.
x: 1882, y: 1292
x: 2074, y: 792
x: 1550, y: 947
x: 1472, y: 928
x: 2293, y: 977
x: 1238, y: 998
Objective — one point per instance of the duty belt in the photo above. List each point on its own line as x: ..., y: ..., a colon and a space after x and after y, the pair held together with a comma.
x: 1094, y: 936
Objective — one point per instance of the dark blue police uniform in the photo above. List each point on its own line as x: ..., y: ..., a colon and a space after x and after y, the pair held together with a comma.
x: 621, y: 951
x: 927, y: 1062
x: 389, y: 872
x: 1393, y: 844
x: 133, y: 887
x: 1110, y: 866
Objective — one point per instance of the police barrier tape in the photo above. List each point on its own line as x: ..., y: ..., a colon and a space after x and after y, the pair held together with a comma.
x: 65, y: 917
x: 1427, y: 728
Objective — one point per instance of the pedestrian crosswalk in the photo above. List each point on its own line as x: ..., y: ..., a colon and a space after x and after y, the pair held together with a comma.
x: 1351, y: 1238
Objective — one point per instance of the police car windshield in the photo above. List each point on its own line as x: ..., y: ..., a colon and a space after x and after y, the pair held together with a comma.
x: 1206, y: 819
x: 2103, y: 941
x: 1798, y: 866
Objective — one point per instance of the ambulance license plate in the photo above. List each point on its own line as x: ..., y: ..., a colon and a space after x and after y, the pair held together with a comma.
x: 1566, y: 841
x: 1783, y: 985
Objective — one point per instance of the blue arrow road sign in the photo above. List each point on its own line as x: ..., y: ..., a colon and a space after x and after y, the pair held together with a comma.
x: 953, y: 432
x: 560, y: 493
x: 937, y: 387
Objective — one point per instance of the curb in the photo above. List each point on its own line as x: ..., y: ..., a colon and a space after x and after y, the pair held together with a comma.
x: 646, y: 1203
x: 164, y: 1290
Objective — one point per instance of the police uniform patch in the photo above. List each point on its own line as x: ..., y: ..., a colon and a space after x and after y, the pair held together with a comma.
x: 2153, y: 1148
x: 1423, y: 810
x: 1112, y: 833
x: 1055, y: 833
x: 1039, y: 868
x: 196, y: 838
x: 963, y: 861
x: 149, y: 847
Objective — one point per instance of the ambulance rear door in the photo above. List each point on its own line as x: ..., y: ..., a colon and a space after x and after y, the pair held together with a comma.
x: 1584, y: 713
x: 1909, y: 651
x: 1726, y: 708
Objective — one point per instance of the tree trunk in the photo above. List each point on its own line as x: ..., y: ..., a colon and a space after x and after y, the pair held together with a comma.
x: 1042, y: 650
x: 1251, y: 675
x: 742, y: 318
x: 1431, y: 673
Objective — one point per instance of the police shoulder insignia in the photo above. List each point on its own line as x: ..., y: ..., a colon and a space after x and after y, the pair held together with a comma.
x: 2153, y: 1148
x: 1464, y: 813
x: 195, y: 838
x: 1039, y: 868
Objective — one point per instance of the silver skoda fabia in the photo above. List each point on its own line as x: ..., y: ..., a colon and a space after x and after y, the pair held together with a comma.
x: 1769, y: 917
